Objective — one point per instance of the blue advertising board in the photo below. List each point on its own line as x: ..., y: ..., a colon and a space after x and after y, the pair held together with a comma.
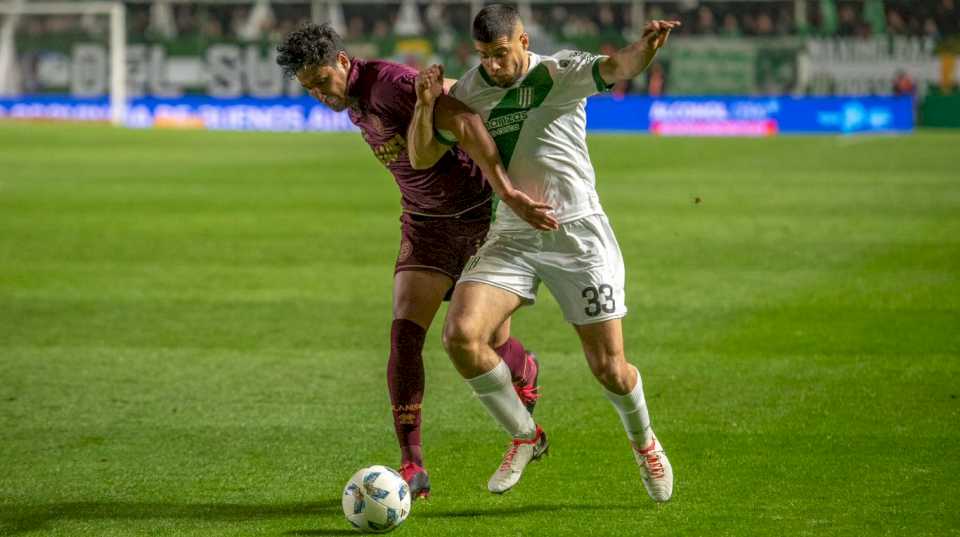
x: 275, y: 114
x: 688, y: 116
x: 751, y: 116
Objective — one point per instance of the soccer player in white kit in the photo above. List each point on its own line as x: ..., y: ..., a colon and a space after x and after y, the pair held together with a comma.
x: 532, y: 107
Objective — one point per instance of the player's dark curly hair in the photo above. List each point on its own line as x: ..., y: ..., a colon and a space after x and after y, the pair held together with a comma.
x: 495, y: 21
x: 311, y: 44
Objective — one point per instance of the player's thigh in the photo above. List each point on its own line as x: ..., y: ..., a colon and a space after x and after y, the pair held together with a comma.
x: 496, y: 281
x: 417, y: 295
x: 502, y: 263
x: 431, y: 257
x: 583, y: 268
x: 477, y: 310
x: 501, y: 334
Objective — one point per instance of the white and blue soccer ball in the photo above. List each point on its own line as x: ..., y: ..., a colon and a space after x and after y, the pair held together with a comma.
x: 376, y: 499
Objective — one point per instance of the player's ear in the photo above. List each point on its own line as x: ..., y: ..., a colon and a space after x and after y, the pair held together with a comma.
x: 343, y: 60
x: 525, y: 40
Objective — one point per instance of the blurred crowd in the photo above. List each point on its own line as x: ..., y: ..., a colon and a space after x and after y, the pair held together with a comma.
x: 608, y: 22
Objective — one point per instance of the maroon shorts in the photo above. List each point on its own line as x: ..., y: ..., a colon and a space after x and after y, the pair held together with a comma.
x: 441, y: 244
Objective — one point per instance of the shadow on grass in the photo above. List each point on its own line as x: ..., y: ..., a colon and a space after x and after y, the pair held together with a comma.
x: 308, y: 533
x: 15, y: 519
x: 523, y: 510
x: 492, y: 512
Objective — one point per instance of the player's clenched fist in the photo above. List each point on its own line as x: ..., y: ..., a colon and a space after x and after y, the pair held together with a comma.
x: 655, y: 33
x: 430, y: 84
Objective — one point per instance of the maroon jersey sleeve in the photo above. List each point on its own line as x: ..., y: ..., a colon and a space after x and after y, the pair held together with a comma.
x: 396, y: 94
x: 386, y: 96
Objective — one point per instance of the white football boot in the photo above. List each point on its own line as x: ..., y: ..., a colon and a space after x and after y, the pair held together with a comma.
x: 520, y: 453
x: 655, y: 470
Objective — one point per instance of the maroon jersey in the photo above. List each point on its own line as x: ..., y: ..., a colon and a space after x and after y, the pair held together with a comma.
x: 386, y: 96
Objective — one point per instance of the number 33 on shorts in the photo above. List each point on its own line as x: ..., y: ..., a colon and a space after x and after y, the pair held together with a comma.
x: 599, y: 300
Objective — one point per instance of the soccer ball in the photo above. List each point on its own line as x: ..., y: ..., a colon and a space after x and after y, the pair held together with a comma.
x: 376, y: 499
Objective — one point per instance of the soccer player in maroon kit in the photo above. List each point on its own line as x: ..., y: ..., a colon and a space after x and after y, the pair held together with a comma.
x: 446, y: 212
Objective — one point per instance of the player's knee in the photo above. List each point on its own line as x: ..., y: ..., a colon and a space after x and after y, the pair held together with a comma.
x: 461, y: 338
x: 611, y: 375
x: 405, y: 307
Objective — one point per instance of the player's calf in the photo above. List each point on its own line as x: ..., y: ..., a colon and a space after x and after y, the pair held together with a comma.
x: 524, y: 370
x: 528, y: 385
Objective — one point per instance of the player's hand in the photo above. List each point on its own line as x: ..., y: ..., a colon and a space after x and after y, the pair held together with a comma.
x: 655, y: 33
x: 429, y: 84
x: 539, y: 215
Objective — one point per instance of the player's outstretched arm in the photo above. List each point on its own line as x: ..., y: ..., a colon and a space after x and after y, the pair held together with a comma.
x: 467, y: 127
x: 422, y: 146
x: 436, y: 110
x: 630, y: 61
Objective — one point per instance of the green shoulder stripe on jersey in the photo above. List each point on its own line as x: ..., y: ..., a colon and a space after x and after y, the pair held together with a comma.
x: 507, y: 118
x: 602, y: 85
x: 441, y: 138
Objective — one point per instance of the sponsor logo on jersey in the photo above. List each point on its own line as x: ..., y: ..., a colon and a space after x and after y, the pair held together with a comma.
x: 390, y: 151
x: 507, y: 123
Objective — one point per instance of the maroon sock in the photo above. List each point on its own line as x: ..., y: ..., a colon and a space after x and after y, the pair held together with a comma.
x: 515, y: 356
x: 406, y: 381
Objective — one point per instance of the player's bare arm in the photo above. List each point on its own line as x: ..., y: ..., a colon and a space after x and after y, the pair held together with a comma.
x: 467, y: 127
x: 420, y: 132
x: 421, y: 127
x: 630, y: 61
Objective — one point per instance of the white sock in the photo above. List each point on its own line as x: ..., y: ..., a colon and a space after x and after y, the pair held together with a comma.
x: 496, y: 392
x: 633, y: 413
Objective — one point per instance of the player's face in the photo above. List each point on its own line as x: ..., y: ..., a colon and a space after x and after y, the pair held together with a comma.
x: 327, y: 83
x: 505, y: 59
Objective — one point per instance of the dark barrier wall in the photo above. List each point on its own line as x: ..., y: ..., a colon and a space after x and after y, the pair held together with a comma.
x: 941, y: 111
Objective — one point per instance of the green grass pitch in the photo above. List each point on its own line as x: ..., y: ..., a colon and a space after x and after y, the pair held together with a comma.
x: 194, y: 329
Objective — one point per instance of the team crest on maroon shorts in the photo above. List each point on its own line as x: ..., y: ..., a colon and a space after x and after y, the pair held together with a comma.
x: 441, y: 244
x: 406, y: 248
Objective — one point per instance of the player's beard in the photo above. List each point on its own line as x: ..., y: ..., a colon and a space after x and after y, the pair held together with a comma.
x: 510, y: 80
x: 337, y: 105
x: 506, y: 81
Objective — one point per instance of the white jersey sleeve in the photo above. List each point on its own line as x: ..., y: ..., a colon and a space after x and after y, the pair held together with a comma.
x: 444, y: 136
x: 578, y: 76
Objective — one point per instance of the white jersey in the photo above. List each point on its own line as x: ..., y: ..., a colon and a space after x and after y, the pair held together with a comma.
x: 540, y: 127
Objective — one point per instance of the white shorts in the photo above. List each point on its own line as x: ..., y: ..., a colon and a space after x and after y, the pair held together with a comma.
x: 580, y: 264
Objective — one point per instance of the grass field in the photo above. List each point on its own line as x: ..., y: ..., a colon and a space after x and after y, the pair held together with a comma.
x: 194, y: 330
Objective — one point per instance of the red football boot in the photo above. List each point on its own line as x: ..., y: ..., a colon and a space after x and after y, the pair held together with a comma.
x: 418, y: 480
